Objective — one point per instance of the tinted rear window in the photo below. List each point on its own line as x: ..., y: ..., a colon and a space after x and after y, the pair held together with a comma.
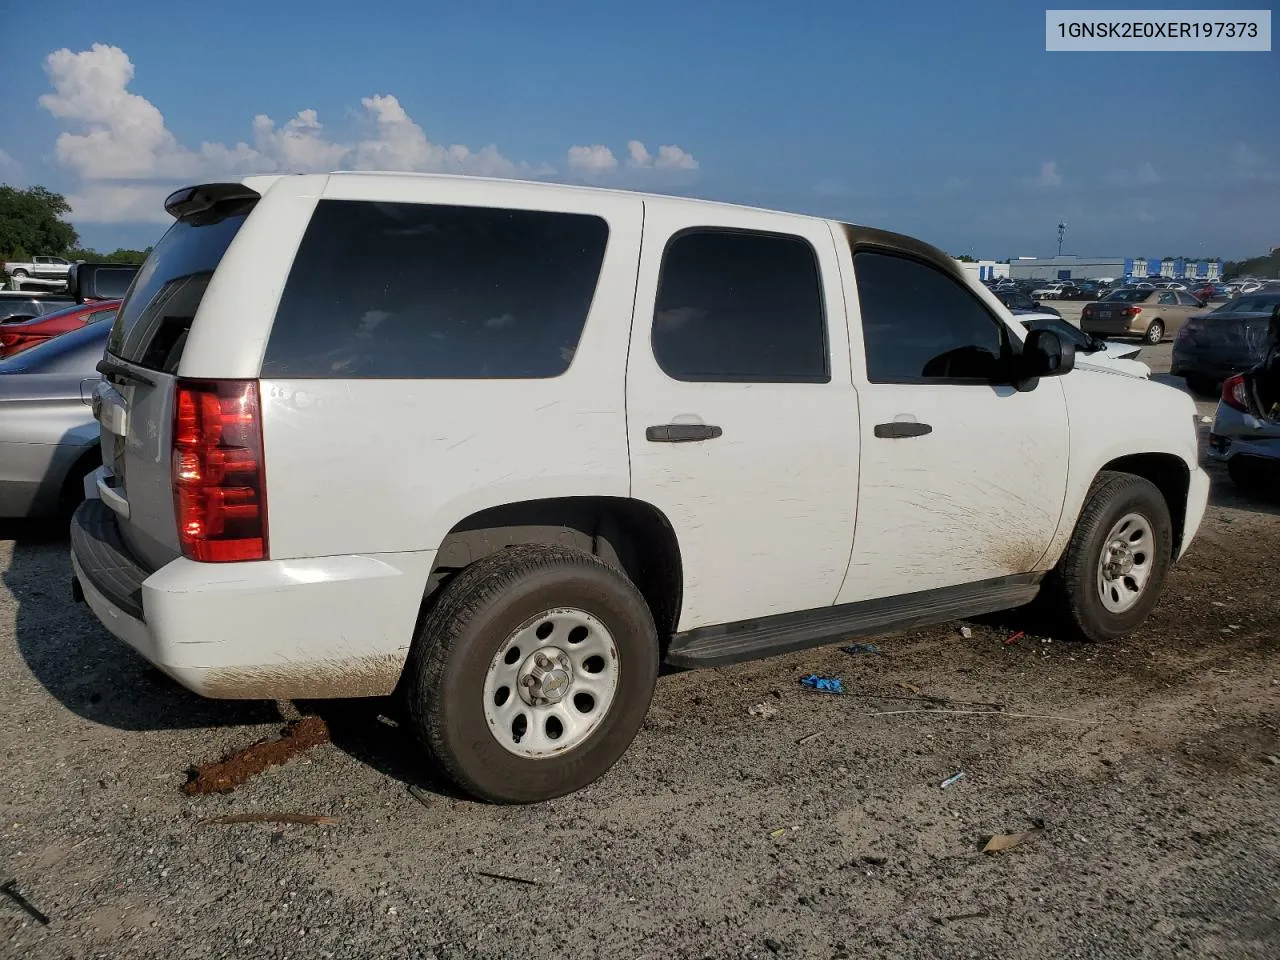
x: 1128, y: 296
x: 151, y: 326
x: 111, y: 283
x: 409, y: 290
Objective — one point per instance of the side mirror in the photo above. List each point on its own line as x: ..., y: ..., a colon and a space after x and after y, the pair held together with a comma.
x: 1044, y: 354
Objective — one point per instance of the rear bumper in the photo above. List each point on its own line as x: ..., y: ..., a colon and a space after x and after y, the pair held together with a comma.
x: 275, y: 629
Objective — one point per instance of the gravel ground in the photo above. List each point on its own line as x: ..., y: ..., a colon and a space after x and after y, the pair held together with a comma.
x: 816, y: 830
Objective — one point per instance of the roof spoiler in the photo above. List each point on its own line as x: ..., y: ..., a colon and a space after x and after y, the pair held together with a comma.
x: 204, y: 198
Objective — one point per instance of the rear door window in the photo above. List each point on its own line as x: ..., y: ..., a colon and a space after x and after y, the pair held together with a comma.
x: 416, y: 290
x: 152, y: 324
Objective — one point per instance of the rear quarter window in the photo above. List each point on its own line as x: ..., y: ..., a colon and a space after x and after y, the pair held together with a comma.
x: 414, y: 290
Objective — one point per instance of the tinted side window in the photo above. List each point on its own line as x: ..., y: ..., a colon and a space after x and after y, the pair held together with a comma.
x: 739, y: 306
x: 409, y: 290
x: 1169, y: 298
x: 920, y: 323
x: 1187, y: 300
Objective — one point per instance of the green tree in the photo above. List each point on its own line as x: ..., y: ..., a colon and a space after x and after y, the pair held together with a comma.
x: 965, y: 258
x: 119, y: 255
x: 31, y: 222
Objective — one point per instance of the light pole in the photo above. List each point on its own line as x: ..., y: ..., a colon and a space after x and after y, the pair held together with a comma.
x: 1062, y: 232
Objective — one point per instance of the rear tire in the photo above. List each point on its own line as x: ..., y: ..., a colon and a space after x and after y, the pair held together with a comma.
x: 1090, y: 591
x: 1155, y: 332
x: 1202, y: 386
x: 19, y: 274
x: 471, y: 673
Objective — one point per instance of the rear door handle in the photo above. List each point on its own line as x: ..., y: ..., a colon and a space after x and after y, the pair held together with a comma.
x: 901, y: 429
x: 681, y: 432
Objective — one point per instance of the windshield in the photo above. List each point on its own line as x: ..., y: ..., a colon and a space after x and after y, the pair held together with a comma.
x: 151, y: 326
x: 1065, y: 330
x: 1250, y: 304
x: 1127, y: 296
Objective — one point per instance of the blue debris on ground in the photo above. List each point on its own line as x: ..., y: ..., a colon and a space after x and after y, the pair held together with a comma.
x: 823, y: 684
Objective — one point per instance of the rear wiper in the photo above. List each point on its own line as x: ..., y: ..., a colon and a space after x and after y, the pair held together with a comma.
x: 108, y: 368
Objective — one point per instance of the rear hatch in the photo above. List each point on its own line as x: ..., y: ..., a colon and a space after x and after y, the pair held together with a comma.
x: 136, y: 399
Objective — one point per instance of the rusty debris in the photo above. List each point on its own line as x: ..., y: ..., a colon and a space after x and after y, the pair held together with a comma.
x: 233, y: 770
x: 10, y: 890
x: 1004, y: 841
x: 307, y: 818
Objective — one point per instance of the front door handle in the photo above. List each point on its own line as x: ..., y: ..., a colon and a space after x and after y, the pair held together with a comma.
x: 681, y: 432
x: 901, y: 429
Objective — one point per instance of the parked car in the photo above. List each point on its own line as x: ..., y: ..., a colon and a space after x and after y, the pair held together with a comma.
x: 1149, y: 314
x: 49, y: 439
x: 1211, y: 292
x: 16, y: 336
x: 1222, y: 343
x: 24, y: 306
x: 1058, y: 290
x: 1091, y: 351
x: 1087, y: 290
x: 512, y: 493
x: 38, y: 268
x: 1246, y: 430
x: 1015, y: 299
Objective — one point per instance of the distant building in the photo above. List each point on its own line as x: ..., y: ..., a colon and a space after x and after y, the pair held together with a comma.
x: 1112, y: 268
x: 985, y: 269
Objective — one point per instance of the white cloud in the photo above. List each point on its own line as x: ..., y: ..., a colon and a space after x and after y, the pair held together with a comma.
x: 1249, y: 164
x: 10, y: 169
x: 593, y: 159
x: 669, y: 157
x: 116, y: 135
x: 119, y: 203
x: 1147, y: 174
x: 1049, y: 175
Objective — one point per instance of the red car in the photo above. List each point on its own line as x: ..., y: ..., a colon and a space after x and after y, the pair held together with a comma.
x: 18, y: 334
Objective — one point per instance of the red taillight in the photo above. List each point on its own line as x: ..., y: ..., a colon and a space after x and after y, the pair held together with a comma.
x: 1132, y: 311
x: 9, y: 339
x: 1087, y: 313
x: 219, y: 480
x: 1234, y: 395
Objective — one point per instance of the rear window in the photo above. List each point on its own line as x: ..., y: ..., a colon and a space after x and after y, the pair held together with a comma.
x: 1128, y: 296
x: 152, y: 324
x: 414, y: 290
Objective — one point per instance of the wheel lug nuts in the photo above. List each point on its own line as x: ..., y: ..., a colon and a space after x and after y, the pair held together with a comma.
x: 564, y: 661
x: 542, y: 661
x: 529, y: 681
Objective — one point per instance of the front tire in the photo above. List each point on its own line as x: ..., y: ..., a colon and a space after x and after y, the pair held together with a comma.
x: 532, y: 673
x: 1113, y: 570
x: 19, y: 274
x: 1155, y: 332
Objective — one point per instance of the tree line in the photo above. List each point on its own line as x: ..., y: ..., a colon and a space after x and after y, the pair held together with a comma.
x: 31, y: 225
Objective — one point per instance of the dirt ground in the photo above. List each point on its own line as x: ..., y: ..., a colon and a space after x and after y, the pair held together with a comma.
x: 818, y: 829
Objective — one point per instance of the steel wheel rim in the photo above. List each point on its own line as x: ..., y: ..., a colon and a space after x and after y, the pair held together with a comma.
x: 551, y: 683
x: 1125, y: 563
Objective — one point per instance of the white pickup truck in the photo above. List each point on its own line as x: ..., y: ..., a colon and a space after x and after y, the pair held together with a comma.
x: 42, y: 270
x: 506, y: 447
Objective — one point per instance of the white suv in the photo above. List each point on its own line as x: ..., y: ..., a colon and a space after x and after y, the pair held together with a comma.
x: 506, y: 447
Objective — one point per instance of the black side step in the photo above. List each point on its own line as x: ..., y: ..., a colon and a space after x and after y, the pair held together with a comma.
x: 788, y: 632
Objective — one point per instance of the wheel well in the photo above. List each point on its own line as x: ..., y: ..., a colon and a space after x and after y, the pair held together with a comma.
x: 631, y: 535
x: 73, y: 483
x: 1172, y: 478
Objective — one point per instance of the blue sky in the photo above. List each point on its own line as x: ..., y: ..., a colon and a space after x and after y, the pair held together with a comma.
x: 947, y: 121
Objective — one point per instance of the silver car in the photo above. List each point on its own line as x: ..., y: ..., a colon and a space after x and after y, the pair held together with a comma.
x: 48, y: 437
